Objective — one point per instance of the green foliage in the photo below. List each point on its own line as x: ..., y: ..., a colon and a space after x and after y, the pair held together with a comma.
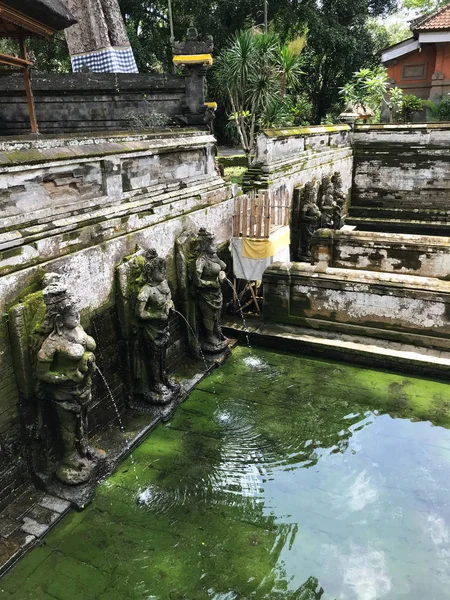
x: 410, y: 104
x: 443, y: 109
x: 385, y: 34
x: 253, y: 76
x: 48, y: 56
x: 367, y: 88
x: 425, y: 6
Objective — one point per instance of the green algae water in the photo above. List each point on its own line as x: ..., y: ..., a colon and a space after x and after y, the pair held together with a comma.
x: 280, y: 478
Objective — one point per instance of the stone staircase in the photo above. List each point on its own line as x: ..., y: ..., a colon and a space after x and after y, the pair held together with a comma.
x: 423, y: 221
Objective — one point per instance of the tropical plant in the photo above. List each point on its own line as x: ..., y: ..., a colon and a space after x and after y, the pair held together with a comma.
x: 253, y: 75
x: 367, y: 89
x: 410, y: 105
x: 443, y: 109
x: 395, y: 102
x: 289, y: 63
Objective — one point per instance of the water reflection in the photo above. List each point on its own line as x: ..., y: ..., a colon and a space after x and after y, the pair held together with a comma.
x: 297, y: 480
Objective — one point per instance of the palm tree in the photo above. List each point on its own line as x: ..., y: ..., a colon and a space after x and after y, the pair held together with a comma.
x: 246, y: 75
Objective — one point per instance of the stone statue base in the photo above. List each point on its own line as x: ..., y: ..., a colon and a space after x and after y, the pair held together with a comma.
x: 216, y: 348
x: 78, y: 494
x: 160, y: 402
x: 79, y: 470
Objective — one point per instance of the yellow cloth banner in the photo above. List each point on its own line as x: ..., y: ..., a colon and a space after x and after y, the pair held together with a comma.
x: 260, y: 249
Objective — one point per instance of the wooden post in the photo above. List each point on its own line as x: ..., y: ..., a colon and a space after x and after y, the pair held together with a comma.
x: 28, y: 90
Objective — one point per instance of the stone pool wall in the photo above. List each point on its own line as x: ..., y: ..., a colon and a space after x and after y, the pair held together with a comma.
x: 81, y: 102
x: 77, y: 206
x: 401, y: 176
x: 403, y: 308
x: 289, y: 158
x: 427, y: 256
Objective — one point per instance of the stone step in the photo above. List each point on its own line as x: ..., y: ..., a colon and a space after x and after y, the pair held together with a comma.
x: 371, y: 212
x: 372, y: 352
x: 410, y: 226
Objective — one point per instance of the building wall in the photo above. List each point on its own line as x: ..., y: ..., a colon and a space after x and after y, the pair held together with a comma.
x: 81, y: 102
x: 421, y: 67
x: 289, y: 158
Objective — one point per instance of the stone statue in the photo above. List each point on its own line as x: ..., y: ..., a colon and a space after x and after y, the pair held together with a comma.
x: 208, y: 276
x: 153, y: 305
x: 64, y: 369
x: 309, y: 220
x: 192, y: 44
x: 339, y: 199
x: 327, y: 203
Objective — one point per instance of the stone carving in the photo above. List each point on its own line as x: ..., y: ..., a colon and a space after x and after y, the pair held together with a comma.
x: 200, y: 275
x: 309, y: 221
x: 208, y: 276
x: 327, y: 203
x: 64, y: 369
x: 339, y: 199
x: 192, y: 44
x: 145, y: 305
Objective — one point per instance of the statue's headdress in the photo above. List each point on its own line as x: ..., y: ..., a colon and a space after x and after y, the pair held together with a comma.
x: 205, y: 238
x: 57, y: 298
x: 152, y: 261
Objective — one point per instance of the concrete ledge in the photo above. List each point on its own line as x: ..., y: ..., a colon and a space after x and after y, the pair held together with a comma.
x: 403, y: 308
x: 425, y: 256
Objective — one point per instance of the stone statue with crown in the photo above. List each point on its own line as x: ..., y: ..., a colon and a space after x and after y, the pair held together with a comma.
x: 145, y: 304
x: 200, y: 274
x: 54, y: 362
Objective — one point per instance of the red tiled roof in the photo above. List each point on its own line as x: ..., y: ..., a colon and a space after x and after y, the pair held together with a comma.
x: 436, y: 21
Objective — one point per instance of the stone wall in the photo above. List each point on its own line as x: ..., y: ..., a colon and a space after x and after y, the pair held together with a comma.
x: 427, y: 256
x: 82, y: 102
x: 402, y: 308
x: 288, y: 158
x: 77, y: 206
x: 401, y: 178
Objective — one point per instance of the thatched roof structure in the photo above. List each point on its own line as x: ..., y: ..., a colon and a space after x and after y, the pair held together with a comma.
x: 33, y: 17
x: 30, y: 18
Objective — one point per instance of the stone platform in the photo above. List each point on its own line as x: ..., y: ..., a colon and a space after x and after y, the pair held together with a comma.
x: 382, y: 354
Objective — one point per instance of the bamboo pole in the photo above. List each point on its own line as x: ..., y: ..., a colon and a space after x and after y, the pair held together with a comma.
x: 28, y: 90
x: 244, y: 216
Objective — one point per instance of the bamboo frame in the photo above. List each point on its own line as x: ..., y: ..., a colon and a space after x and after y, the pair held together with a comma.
x: 256, y: 215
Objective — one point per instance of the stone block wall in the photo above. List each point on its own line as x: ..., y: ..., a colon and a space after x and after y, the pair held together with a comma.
x: 288, y: 158
x: 77, y: 206
x: 402, y: 308
x: 401, y: 173
x: 426, y: 256
x: 82, y: 102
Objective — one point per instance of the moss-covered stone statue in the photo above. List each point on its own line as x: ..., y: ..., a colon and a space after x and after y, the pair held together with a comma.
x: 144, y: 307
x: 339, y: 199
x: 54, y: 362
x: 327, y: 204
x: 209, y: 275
x: 200, y: 274
x: 309, y: 221
x: 64, y: 369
